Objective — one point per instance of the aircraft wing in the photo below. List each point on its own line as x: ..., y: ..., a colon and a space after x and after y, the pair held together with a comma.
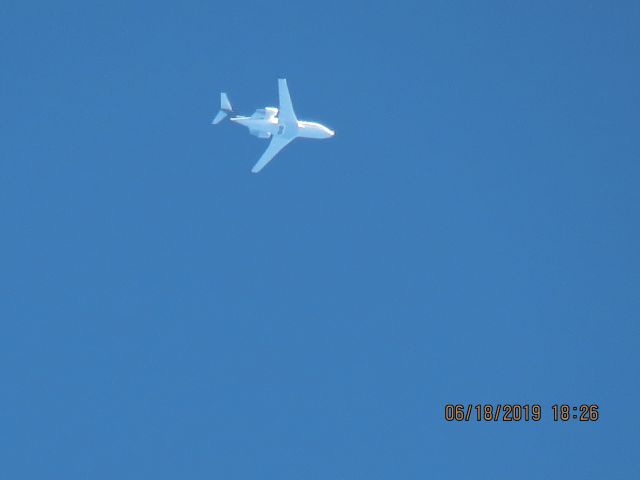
x: 286, y: 113
x: 277, y: 144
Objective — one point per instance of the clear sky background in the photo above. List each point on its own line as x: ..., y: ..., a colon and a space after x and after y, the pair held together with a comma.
x: 469, y: 236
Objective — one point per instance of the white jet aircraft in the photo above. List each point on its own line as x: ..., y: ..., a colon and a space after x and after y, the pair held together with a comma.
x: 281, y: 125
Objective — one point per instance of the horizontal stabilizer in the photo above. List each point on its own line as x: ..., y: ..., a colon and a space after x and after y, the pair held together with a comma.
x: 219, y: 117
x: 225, y: 104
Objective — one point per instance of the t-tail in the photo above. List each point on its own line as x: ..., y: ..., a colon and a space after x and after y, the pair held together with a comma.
x: 225, y: 109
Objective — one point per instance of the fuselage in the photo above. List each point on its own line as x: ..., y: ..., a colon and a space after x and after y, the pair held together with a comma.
x: 271, y: 125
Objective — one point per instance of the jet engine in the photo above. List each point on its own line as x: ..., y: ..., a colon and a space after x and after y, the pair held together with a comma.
x: 265, y: 113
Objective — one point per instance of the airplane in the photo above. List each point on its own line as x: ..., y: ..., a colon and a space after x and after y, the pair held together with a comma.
x: 279, y: 124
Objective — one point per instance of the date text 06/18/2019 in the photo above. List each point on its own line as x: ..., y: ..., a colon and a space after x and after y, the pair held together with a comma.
x: 519, y: 412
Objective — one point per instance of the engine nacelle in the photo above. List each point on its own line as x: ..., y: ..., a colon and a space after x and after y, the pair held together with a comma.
x: 265, y: 113
x: 270, y: 112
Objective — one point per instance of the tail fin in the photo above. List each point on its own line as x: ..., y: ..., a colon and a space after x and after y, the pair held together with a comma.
x: 225, y: 109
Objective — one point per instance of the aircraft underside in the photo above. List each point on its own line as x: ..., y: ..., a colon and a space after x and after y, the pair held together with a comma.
x: 279, y: 124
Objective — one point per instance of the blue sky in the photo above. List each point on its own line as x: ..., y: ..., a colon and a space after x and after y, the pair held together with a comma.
x: 469, y: 236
